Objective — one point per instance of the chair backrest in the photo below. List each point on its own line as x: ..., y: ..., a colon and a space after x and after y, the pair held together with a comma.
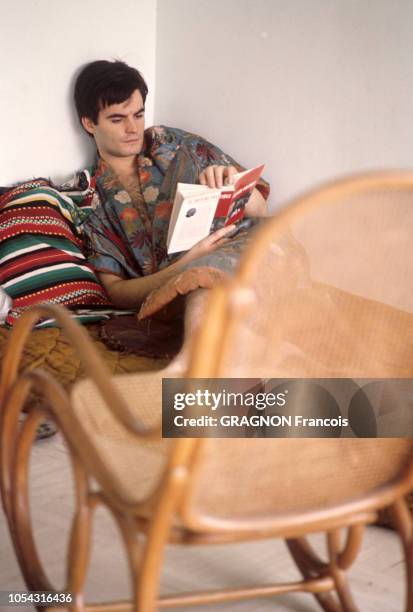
x: 324, y: 291
x: 333, y: 263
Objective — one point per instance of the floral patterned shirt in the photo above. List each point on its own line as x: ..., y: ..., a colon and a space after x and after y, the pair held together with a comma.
x: 125, y: 234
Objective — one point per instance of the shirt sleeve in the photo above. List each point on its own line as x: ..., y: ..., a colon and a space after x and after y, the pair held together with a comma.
x: 208, y: 154
x: 104, y: 248
x: 164, y: 142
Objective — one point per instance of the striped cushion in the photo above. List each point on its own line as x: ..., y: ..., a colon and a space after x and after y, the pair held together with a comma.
x: 40, y: 252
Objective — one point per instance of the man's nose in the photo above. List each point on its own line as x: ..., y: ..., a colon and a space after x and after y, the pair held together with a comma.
x: 130, y: 125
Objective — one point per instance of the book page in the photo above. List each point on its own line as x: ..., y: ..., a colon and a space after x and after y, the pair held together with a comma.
x: 193, y: 221
x: 199, y: 210
x: 175, y: 212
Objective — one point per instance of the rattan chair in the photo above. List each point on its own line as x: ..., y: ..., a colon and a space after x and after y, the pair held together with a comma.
x: 324, y: 290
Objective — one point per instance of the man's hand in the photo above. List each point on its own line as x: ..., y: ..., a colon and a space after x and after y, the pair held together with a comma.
x: 130, y: 293
x: 207, y: 245
x: 217, y: 176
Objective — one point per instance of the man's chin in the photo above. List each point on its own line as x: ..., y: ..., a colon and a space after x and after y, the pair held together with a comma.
x: 127, y: 151
x: 132, y: 148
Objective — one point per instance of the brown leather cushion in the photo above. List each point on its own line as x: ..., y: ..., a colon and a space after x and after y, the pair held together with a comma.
x: 150, y: 338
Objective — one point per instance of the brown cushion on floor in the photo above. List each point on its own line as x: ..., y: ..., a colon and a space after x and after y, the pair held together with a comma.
x: 150, y: 338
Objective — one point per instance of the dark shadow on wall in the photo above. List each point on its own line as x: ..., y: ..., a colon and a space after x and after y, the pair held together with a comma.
x: 86, y: 144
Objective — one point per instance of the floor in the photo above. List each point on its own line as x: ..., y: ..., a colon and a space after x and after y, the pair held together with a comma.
x: 377, y: 577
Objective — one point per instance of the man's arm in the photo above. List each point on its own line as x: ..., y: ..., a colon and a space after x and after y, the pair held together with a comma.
x: 132, y: 292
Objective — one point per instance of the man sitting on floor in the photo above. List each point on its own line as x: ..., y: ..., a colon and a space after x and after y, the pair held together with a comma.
x: 135, y: 178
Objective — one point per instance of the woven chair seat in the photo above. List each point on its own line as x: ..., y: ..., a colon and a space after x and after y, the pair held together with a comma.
x: 133, y: 465
x: 341, y: 470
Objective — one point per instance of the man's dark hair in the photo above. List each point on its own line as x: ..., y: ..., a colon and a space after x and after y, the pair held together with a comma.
x: 103, y: 83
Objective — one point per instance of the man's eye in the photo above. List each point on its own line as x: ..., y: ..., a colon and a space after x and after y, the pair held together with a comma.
x: 117, y: 120
x: 139, y: 115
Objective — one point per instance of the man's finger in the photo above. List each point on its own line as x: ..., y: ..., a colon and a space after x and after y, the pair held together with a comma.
x: 203, y: 177
x: 220, y: 242
x: 225, y: 230
x: 219, y: 176
x: 210, y: 176
x: 221, y: 233
x: 230, y: 172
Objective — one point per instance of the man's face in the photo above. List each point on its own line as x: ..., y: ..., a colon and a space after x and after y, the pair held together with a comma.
x: 119, y: 129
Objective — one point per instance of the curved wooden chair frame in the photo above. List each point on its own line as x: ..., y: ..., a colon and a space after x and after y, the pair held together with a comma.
x: 325, y: 579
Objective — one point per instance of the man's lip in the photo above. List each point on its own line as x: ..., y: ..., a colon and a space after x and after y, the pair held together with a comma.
x: 133, y: 140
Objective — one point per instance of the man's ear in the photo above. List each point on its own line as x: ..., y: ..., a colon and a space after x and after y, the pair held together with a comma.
x: 88, y: 125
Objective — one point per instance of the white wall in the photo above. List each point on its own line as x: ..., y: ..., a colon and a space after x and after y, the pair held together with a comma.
x: 314, y: 88
x: 42, y: 44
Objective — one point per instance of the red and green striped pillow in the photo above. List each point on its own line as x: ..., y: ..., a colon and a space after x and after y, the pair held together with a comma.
x: 41, y: 257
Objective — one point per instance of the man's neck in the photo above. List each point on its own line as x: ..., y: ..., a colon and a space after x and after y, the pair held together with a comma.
x: 122, y: 166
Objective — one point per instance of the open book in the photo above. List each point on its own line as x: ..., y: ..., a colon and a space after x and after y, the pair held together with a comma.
x: 199, y: 210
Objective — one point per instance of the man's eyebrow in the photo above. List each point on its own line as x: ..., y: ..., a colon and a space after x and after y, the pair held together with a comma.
x: 121, y: 115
